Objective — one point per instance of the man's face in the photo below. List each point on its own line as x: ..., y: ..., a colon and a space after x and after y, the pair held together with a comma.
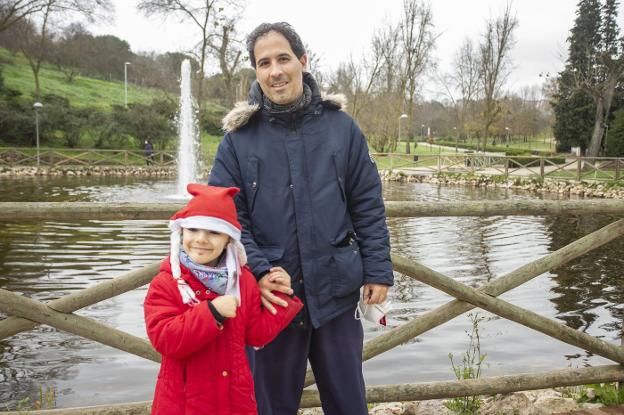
x: 278, y: 71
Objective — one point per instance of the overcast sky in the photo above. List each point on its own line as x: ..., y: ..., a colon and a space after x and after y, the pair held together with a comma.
x: 337, y: 29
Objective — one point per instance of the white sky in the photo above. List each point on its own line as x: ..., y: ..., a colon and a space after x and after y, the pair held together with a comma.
x: 337, y: 29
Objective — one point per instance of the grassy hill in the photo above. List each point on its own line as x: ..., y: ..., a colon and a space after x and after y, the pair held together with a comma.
x: 82, y: 92
x: 85, y: 92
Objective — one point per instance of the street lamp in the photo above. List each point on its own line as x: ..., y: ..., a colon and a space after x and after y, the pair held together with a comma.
x: 126, y: 83
x: 407, y: 143
x: 37, y: 106
x: 507, y: 129
x: 456, y: 137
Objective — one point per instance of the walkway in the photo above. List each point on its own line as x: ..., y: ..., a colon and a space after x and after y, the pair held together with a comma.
x: 605, y: 410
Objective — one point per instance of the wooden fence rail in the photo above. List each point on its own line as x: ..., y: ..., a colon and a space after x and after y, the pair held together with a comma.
x: 557, y: 166
x: 27, y: 313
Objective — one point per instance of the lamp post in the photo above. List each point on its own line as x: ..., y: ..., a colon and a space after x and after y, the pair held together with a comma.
x: 606, y: 138
x: 507, y: 130
x: 126, y: 83
x: 456, y: 137
x: 37, y: 106
x: 407, y: 143
x: 422, y: 131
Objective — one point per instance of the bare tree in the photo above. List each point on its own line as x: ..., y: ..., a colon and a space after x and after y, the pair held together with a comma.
x: 208, y: 17
x: 12, y: 11
x: 466, y: 80
x: 494, y: 59
x: 228, y: 50
x: 32, y: 39
x: 417, y: 40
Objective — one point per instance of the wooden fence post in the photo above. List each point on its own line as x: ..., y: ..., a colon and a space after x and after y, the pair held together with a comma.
x: 542, y: 167
x: 579, y: 168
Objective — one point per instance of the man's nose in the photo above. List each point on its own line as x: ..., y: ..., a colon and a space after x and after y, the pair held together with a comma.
x: 276, y: 70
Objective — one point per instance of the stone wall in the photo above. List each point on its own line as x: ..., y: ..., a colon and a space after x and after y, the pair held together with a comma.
x: 563, y: 187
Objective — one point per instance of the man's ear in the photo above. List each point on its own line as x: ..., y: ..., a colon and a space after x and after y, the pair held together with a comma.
x: 304, y: 61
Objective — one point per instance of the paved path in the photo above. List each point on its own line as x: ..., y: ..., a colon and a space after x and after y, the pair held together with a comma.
x: 605, y: 410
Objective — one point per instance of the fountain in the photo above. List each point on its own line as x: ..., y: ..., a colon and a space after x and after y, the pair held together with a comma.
x: 188, y: 132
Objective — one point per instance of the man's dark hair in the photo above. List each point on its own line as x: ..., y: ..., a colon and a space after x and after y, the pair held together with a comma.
x: 282, y: 28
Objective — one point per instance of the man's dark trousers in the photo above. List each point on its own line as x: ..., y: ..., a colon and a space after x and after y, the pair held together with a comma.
x: 335, y: 353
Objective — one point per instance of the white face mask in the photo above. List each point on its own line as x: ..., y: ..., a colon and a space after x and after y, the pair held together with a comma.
x: 375, y: 313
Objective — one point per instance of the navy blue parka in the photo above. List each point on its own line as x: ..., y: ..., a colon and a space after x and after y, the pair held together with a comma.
x: 310, y: 200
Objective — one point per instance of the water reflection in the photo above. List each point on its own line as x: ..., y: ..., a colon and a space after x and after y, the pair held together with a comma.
x: 46, y: 260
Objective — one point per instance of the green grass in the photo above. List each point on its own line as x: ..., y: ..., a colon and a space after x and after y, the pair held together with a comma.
x: 82, y: 92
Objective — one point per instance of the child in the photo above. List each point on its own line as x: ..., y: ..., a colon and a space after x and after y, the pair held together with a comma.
x: 204, y: 307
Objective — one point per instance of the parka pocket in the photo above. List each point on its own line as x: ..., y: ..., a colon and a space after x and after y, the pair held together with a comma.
x: 252, y: 183
x: 348, y: 275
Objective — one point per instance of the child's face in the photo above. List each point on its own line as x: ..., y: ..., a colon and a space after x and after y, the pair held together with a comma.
x: 204, y: 247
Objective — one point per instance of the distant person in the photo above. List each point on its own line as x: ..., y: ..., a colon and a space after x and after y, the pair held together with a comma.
x: 149, y: 152
x: 204, y: 307
x: 310, y: 202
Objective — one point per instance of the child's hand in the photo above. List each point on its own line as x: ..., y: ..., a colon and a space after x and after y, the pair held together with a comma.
x: 226, y: 305
x: 279, y: 276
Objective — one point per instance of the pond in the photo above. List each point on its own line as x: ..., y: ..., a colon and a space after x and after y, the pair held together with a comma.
x: 46, y: 260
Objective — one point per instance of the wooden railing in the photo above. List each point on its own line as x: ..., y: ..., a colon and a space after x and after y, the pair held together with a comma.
x: 63, y: 157
x: 558, y: 167
x: 25, y: 313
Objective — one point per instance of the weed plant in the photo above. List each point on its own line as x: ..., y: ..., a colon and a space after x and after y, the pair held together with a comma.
x: 468, y: 368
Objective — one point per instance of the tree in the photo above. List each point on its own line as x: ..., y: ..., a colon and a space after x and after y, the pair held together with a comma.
x: 418, y: 41
x: 594, y: 69
x: 208, y: 17
x: 615, y: 143
x: 32, y: 39
x: 228, y: 51
x: 12, y: 11
x: 494, y: 62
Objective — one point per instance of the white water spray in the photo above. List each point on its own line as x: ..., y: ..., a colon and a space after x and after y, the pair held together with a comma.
x: 188, y: 132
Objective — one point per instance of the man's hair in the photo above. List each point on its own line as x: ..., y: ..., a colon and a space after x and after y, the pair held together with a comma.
x: 282, y: 28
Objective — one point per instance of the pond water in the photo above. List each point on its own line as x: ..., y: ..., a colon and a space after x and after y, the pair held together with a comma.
x: 46, y: 260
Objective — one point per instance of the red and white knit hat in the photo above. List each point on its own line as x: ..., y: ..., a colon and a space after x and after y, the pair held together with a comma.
x: 211, y: 208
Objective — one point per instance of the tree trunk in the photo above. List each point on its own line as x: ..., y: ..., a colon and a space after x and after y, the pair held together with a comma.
x: 603, y: 105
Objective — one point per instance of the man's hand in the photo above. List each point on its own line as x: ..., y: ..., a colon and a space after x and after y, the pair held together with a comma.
x: 374, y: 293
x: 226, y: 305
x: 276, y: 280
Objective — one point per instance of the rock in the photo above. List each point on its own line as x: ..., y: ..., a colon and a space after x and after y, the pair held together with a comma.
x: 549, y: 405
x: 391, y: 408
x: 435, y: 407
x: 514, y: 403
x: 310, y: 411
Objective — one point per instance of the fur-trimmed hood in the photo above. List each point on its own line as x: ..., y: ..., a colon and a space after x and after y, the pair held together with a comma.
x: 243, y: 111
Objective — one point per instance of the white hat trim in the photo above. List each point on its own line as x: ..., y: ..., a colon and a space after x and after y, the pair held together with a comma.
x: 206, y: 222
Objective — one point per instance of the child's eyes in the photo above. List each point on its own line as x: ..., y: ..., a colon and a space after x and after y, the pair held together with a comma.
x: 197, y: 230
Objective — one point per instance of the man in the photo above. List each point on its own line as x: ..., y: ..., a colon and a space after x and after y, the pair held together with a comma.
x: 310, y: 202
x: 149, y: 152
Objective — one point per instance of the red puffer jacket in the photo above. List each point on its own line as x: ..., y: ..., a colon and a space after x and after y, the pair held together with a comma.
x: 204, y: 368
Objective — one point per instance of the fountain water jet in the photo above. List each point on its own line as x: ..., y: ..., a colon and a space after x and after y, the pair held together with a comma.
x: 188, y: 132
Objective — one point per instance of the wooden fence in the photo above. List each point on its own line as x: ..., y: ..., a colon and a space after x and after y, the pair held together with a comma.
x: 577, y: 168
x: 25, y: 314
x: 62, y: 157
x: 559, y: 167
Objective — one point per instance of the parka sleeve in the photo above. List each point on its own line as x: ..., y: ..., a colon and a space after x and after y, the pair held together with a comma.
x: 174, y: 329
x: 262, y: 326
x: 226, y: 172
x: 367, y: 211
